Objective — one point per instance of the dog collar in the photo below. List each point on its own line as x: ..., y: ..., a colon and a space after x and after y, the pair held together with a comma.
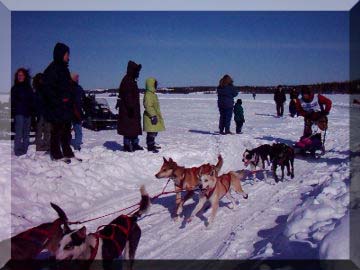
x: 209, y: 192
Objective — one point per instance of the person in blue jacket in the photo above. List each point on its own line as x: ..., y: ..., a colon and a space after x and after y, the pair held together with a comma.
x: 226, y: 94
x: 22, y: 108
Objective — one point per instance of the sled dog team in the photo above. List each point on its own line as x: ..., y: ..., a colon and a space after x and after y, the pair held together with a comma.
x: 122, y: 235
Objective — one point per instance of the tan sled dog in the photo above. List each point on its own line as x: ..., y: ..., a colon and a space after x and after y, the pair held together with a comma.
x: 213, y: 188
x: 185, y: 178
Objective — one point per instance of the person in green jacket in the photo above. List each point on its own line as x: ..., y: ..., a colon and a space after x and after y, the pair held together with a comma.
x: 239, y: 116
x: 153, y: 120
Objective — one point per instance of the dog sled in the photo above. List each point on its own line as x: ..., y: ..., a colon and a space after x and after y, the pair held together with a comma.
x: 313, y: 145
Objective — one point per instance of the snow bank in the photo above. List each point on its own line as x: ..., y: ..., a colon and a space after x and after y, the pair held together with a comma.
x: 318, y: 214
x: 336, y: 246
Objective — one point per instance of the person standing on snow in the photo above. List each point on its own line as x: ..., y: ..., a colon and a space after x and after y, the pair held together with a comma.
x: 78, y: 115
x: 280, y: 98
x: 43, y: 128
x: 153, y: 120
x: 59, y: 103
x: 311, y: 108
x: 239, y: 116
x: 292, y: 105
x: 226, y: 94
x: 22, y: 106
x: 129, y: 119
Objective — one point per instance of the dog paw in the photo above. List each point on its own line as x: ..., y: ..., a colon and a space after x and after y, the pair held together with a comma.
x: 175, y: 219
x: 231, y: 206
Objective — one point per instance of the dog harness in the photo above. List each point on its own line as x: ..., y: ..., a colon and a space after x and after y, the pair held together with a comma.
x: 221, y: 179
x: 32, y: 234
x: 99, y: 235
x: 180, y: 182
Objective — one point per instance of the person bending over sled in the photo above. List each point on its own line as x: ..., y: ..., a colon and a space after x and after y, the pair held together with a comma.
x: 315, y: 111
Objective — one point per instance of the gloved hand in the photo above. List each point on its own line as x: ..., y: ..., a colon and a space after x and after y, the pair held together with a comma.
x: 316, y: 116
x: 154, y: 120
x: 323, y: 113
x: 130, y: 112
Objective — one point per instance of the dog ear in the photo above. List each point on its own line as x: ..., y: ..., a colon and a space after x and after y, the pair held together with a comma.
x: 81, y: 233
x: 79, y: 236
x: 200, y: 172
x: 165, y: 161
x: 171, y: 160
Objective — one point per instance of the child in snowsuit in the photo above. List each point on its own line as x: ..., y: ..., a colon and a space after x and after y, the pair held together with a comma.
x: 239, y: 116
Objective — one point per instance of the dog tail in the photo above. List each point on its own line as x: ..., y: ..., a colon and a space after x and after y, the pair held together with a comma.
x: 144, y: 203
x: 62, y: 216
x: 219, y: 164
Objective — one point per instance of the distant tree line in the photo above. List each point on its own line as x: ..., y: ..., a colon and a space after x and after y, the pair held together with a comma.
x: 326, y: 88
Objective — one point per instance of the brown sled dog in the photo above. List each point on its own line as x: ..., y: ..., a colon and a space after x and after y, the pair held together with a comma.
x: 213, y: 188
x: 185, y: 178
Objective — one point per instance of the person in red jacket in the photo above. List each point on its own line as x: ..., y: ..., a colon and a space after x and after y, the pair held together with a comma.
x: 311, y: 108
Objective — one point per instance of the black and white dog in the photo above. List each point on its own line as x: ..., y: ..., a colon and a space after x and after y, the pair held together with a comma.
x: 108, y: 243
x: 257, y: 156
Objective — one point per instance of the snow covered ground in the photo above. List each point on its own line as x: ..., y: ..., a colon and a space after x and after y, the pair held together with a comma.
x: 4, y: 97
x: 285, y: 220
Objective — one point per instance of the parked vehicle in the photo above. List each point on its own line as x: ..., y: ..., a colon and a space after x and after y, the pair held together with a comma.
x: 97, y: 114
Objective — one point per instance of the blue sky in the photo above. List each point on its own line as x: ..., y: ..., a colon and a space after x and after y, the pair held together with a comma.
x: 188, y: 48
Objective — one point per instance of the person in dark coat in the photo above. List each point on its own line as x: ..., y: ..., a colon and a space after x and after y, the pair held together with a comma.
x: 292, y: 105
x: 226, y: 94
x: 43, y: 127
x: 79, y: 113
x: 280, y: 99
x: 59, y: 103
x: 239, y: 116
x: 22, y: 108
x: 129, y: 121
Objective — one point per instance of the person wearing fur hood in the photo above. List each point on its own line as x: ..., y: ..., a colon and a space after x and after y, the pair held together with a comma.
x: 153, y: 120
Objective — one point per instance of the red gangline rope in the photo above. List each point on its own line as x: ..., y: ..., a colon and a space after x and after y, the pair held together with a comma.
x: 163, y: 192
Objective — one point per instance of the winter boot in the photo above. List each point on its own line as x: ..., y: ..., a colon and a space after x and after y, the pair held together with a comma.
x: 152, y: 149
x: 128, y: 148
x: 137, y: 147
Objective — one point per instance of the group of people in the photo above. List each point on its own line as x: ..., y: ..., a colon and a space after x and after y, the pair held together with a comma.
x: 226, y: 93
x: 55, y: 100
x: 129, y: 120
x: 314, y: 110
